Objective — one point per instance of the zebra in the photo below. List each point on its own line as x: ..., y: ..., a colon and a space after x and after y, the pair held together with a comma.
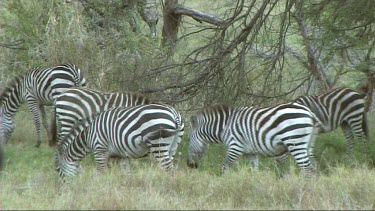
x: 38, y: 87
x: 128, y: 132
x: 341, y: 107
x: 209, y: 125
x: 80, y: 103
x: 2, y: 156
x: 271, y: 131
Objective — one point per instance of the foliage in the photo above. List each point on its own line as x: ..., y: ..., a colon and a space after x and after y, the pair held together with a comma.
x: 258, y: 58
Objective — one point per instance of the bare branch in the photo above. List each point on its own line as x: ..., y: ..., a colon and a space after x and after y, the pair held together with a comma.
x: 198, y: 16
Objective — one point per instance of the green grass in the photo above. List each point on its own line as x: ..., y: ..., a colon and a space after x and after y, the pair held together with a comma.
x: 29, y: 180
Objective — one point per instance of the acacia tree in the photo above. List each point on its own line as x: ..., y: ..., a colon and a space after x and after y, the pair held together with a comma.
x: 345, y: 40
x: 235, y: 52
x: 244, y: 56
x: 266, y: 32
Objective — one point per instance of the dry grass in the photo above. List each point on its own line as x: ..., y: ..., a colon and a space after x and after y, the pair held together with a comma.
x: 31, y: 183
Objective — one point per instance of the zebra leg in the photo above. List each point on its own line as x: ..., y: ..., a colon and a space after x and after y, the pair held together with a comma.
x: 279, y: 162
x: 360, y: 131
x: 45, y: 123
x: 162, y: 157
x: 300, y: 155
x: 231, y: 156
x: 34, y: 108
x: 349, y: 138
x: 52, y: 139
x: 254, y: 161
x: 125, y: 164
x: 101, y: 159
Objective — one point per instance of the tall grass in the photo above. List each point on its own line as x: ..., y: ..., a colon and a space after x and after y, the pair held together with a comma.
x: 29, y: 181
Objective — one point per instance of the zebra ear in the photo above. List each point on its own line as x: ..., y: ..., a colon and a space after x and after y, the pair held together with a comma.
x: 193, y: 121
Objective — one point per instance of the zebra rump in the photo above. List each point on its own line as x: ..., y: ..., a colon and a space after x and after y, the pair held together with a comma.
x: 77, y: 104
x: 130, y: 133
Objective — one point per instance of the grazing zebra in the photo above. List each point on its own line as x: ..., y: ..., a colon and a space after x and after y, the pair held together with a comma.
x: 209, y: 125
x: 131, y: 132
x: 80, y: 103
x: 340, y: 107
x: 2, y: 157
x: 272, y: 132
x: 38, y: 87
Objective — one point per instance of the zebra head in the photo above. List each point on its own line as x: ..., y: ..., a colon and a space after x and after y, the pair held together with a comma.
x: 64, y: 166
x: 197, y: 147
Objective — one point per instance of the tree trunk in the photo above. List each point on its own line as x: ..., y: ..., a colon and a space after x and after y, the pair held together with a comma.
x: 172, y: 14
x: 315, y: 66
x: 171, y: 24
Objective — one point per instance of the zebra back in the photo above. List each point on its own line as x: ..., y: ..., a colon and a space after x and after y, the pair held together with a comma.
x: 77, y: 104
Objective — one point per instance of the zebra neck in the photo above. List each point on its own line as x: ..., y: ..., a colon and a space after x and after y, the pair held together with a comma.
x: 13, y: 96
x: 77, y: 147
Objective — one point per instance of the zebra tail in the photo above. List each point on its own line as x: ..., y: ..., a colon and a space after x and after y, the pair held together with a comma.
x: 365, y: 127
x: 178, y: 133
x: 53, y: 129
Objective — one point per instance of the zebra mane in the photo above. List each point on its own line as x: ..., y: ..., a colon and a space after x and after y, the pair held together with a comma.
x: 222, y: 107
x: 145, y: 98
x: 10, y: 86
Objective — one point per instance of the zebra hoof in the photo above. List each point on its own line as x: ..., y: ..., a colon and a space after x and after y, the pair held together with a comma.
x: 192, y: 165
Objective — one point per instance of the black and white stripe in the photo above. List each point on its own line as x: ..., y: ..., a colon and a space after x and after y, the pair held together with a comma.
x: 78, y: 104
x: 208, y: 127
x: 38, y: 87
x: 271, y: 132
x: 131, y: 133
x: 343, y: 108
x: 2, y: 156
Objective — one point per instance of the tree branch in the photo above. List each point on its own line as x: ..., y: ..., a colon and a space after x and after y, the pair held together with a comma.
x: 198, y: 16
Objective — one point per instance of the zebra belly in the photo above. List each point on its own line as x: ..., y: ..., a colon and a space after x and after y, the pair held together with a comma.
x: 267, y: 151
x: 131, y: 149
